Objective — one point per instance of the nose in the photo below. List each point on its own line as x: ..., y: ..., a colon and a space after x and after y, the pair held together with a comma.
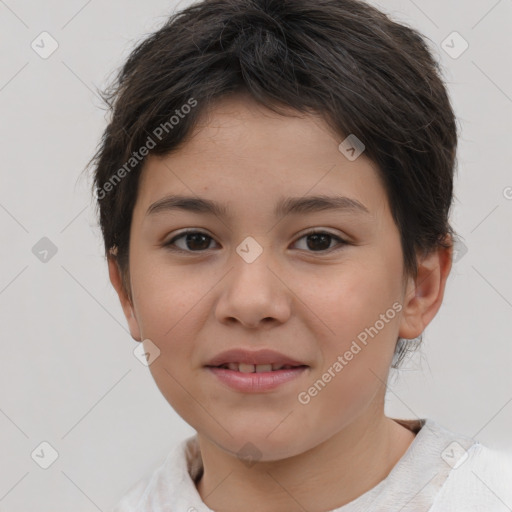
x: 254, y: 293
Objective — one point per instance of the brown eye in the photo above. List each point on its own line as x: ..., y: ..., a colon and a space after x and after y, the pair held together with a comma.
x: 320, y: 241
x: 198, y: 241
x: 193, y: 241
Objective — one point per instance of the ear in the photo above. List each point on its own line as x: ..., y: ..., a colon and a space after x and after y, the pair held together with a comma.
x: 117, y: 283
x: 424, y: 294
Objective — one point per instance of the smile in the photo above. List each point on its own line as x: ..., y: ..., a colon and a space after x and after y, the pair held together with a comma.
x: 256, y: 368
x: 249, y: 378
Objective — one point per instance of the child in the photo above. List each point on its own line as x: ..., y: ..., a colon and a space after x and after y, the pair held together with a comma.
x: 264, y: 127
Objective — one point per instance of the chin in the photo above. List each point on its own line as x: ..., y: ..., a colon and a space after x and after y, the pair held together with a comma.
x: 251, y: 445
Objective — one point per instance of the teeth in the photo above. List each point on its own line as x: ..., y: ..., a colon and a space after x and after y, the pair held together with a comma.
x: 246, y: 368
x: 254, y: 368
x: 263, y: 368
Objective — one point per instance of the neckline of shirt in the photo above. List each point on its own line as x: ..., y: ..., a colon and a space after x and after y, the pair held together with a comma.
x: 413, y: 482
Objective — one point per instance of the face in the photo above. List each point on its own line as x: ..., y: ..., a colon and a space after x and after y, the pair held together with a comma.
x: 253, y: 279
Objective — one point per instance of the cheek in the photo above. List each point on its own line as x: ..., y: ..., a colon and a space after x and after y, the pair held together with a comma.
x: 359, y: 314
x: 357, y: 354
x: 353, y: 297
x: 168, y: 306
x: 165, y: 296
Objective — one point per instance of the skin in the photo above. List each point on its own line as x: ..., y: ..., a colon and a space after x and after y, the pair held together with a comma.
x: 309, y: 303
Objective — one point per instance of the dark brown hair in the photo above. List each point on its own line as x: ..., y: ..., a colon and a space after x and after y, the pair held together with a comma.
x: 343, y: 59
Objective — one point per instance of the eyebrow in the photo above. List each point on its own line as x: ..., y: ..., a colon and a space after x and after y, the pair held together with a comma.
x: 285, y: 206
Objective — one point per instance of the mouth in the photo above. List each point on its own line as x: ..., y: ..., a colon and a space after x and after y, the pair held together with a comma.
x: 257, y: 368
x: 256, y: 378
x: 249, y: 371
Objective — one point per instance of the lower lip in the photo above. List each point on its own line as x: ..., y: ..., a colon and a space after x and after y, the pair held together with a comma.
x: 257, y: 382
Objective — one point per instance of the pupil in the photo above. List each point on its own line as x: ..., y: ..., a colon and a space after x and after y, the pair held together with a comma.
x: 192, y: 238
x: 198, y: 241
x: 316, y: 238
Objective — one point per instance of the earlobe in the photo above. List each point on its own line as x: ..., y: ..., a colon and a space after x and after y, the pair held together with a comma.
x: 424, y: 294
x: 126, y: 303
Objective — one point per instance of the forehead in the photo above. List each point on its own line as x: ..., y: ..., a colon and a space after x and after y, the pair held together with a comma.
x: 239, y: 150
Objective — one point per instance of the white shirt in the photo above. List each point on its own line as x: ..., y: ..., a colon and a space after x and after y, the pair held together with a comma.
x: 441, y: 471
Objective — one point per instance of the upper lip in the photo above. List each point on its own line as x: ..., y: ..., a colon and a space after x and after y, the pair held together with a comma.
x: 240, y: 355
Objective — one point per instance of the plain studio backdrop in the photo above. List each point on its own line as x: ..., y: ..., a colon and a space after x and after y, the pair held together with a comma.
x: 68, y: 375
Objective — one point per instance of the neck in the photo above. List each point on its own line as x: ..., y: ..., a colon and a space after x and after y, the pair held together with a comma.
x: 326, y: 477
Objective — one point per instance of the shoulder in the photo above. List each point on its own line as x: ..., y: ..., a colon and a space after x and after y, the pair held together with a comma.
x: 167, y: 484
x: 136, y: 496
x: 481, y: 480
x: 445, y: 471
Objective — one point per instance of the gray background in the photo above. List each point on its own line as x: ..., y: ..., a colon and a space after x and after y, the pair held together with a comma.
x: 68, y: 375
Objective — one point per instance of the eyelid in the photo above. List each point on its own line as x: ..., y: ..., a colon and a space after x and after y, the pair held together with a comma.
x: 170, y: 243
x: 320, y: 230
x: 323, y: 231
x: 312, y: 231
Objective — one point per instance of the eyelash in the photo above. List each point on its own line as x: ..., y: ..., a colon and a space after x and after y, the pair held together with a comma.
x: 170, y: 244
